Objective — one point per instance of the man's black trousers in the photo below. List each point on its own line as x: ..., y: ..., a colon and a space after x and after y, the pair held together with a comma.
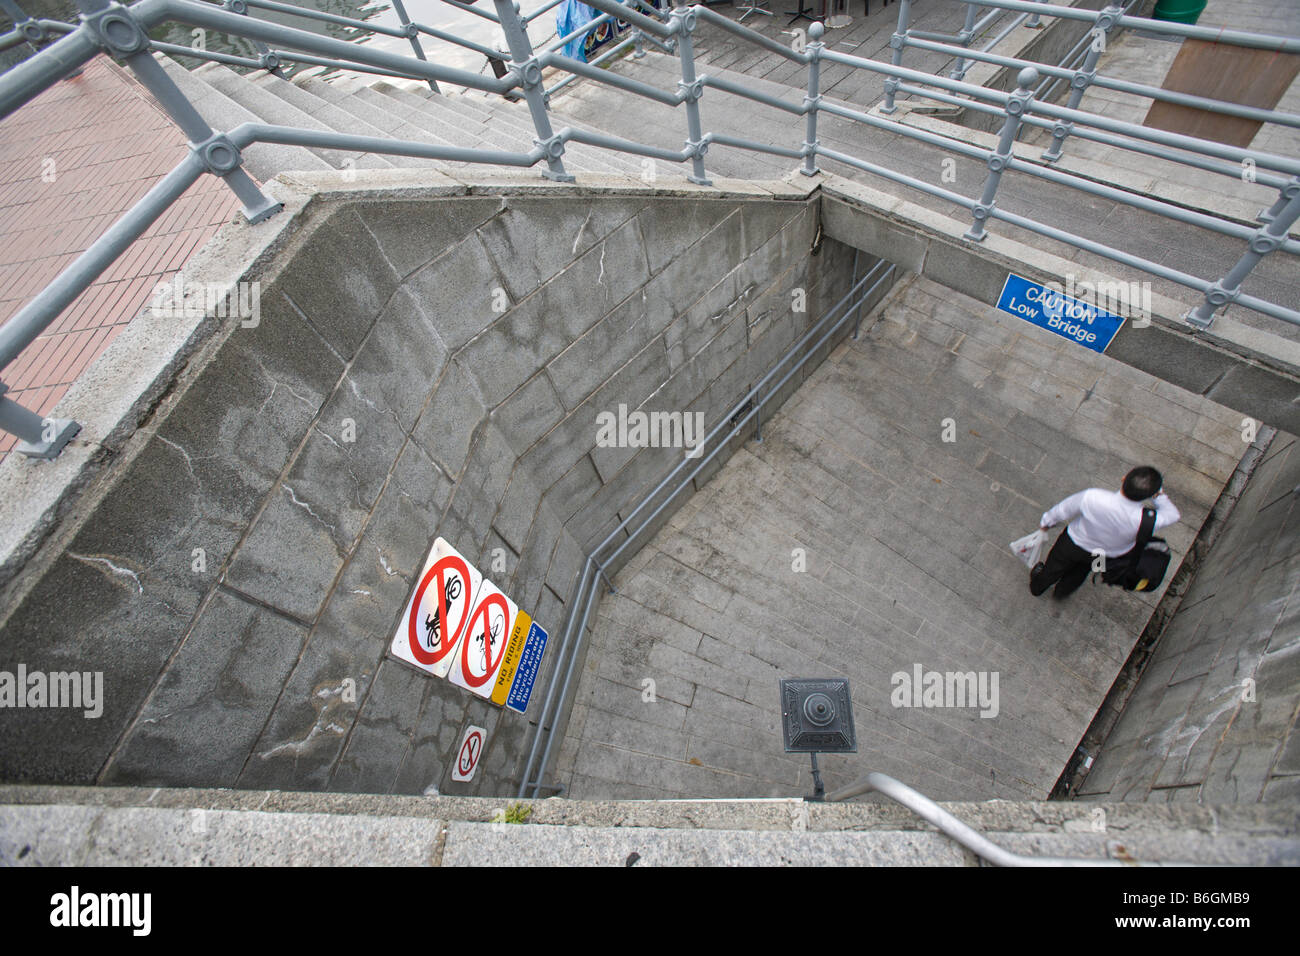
x: 1067, y: 566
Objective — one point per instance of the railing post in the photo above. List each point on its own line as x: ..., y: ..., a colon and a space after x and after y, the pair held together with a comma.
x: 691, y: 89
x: 31, y: 29
x: 1033, y: 23
x: 1268, y: 238
x: 966, y: 35
x: 1082, y: 79
x: 896, y: 43
x: 1285, y: 195
x: 812, y: 101
x: 41, y: 437
x: 1017, y: 104
x: 122, y: 37
x: 413, y: 35
x: 270, y: 62
x: 525, y: 65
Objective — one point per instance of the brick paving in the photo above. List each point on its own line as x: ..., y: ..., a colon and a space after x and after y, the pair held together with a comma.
x: 71, y: 162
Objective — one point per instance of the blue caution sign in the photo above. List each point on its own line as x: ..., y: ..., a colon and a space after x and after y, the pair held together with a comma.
x: 529, y: 664
x: 1050, y: 309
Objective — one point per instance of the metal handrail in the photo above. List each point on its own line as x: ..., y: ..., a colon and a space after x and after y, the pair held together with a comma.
x: 1017, y: 108
x: 967, y: 836
x: 733, y: 422
x: 1258, y: 41
x: 1123, y: 86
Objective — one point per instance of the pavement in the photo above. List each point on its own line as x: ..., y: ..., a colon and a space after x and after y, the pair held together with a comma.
x: 71, y: 163
x: 854, y: 541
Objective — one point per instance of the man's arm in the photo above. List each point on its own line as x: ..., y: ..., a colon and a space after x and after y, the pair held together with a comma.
x: 1166, y: 512
x: 1065, y: 510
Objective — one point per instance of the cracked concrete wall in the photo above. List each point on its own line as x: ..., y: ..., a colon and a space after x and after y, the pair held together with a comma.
x: 1213, y: 716
x: 421, y: 368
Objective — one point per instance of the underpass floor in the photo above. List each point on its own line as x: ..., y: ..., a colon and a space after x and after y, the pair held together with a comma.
x: 866, y: 536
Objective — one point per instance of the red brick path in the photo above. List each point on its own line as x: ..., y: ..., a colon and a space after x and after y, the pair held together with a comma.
x: 101, y: 143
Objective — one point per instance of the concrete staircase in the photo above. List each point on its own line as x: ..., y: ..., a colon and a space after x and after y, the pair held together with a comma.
x: 54, y: 826
x: 393, y: 110
x: 1184, y: 247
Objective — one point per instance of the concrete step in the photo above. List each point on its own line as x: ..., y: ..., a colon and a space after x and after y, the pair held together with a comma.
x: 60, y: 826
x: 390, y: 126
x: 1186, y: 248
x: 495, y: 113
x: 433, y: 125
x: 329, y: 92
x: 263, y: 160
x: 265, y: 101
x: 326, y: 112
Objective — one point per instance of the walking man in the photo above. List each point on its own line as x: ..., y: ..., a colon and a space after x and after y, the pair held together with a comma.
x: 1100, y: 522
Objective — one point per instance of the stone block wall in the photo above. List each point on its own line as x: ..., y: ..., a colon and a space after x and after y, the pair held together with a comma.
x: 420, y: 368
x: 1213, y: 716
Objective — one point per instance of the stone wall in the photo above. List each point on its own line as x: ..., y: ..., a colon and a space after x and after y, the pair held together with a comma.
x: 1212, y: 718
x: 419, y: 368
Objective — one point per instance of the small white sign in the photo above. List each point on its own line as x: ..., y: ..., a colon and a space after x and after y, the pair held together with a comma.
x: 483, y: 645
x: 433, y: 628
x: 468, y: 753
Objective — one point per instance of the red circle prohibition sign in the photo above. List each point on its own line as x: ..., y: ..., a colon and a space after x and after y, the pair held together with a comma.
x: 445, y: 644
x: 481, y: 611
x: 469, y: 752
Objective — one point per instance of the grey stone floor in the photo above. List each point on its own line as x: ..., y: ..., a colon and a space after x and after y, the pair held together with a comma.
x: 905, y: 539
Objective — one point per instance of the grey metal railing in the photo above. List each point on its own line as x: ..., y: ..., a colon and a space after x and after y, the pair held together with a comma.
x: 967, y: 836
x: 122, y: 31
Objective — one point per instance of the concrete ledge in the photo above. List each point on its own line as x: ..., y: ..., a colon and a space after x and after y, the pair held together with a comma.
x: 89, y: 826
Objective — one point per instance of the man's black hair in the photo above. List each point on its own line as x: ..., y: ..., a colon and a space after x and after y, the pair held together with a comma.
x: 1142, y: 483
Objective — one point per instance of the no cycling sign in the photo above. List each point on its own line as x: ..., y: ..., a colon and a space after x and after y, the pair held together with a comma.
x: 460, y: 626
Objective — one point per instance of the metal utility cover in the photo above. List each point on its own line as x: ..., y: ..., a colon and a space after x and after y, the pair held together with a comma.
x: 817, y: 716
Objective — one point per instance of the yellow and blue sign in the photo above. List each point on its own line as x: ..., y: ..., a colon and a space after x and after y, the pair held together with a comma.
x: 1050, y: 309
x: 526, y: 673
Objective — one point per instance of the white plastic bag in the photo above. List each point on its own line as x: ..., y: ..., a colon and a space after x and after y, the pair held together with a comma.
x: 1029, y: 549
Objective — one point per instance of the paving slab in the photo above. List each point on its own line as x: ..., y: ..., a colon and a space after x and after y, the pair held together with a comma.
x: 854, y: 541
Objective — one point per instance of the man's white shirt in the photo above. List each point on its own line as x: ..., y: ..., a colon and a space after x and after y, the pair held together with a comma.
x: 1107, y: 521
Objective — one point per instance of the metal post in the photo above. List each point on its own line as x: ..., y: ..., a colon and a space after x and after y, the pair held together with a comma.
x: 413, y: 35
x: 523, y: 63
x: 1082, y: 79
x: 819, y: 791
x: 691, y: 89
x: 967, y: 34
x: 31, y: 29
x: 1017, y: 103
x: 638, y: 44
x: 41, y: 437
x: 1033, y: 23
x: 269, y: 60
x: 813, y: 100
x: 896, y: 43
x: 1285, y: 195
x: 1268, y: 238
